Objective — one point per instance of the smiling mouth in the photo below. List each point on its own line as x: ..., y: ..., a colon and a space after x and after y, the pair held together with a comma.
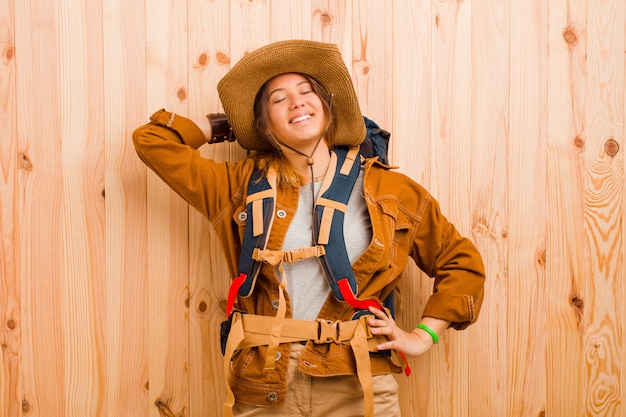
x: 300, y: 118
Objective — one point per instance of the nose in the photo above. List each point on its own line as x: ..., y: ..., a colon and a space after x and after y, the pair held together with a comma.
x: 296, y: 102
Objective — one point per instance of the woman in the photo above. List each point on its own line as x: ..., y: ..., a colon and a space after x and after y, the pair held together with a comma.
x: 304, y: 347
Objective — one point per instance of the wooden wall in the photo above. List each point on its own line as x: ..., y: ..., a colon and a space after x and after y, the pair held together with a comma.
x: 510, y: 112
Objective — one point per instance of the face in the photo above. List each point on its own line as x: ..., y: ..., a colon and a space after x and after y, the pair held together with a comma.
x: 295, y: 111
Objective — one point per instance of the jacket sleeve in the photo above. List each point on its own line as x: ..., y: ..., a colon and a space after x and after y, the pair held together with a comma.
x: 168, y: 146
x: 454, y: 263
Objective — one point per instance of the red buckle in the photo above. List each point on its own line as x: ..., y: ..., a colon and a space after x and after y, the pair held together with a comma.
x: 233, y: 290
x: 348, y: 296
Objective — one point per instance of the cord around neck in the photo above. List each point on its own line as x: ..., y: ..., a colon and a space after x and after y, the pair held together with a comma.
x: 309, y: 161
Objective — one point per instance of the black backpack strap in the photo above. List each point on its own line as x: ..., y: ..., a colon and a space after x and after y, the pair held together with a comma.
x: 330, y: 210
x: 259, y: 216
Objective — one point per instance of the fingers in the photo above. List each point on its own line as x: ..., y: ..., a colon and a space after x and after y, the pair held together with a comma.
x: 378, y: 313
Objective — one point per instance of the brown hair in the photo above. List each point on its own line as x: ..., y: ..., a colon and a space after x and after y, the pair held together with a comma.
x: 274, y: 157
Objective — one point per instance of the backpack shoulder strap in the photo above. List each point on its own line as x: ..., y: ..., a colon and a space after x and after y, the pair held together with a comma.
x: 260, y: 204
x: 330, y: 210
x: 329, y: 215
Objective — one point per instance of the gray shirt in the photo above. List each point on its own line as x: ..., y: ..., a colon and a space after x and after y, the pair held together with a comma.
x: 306, y: 283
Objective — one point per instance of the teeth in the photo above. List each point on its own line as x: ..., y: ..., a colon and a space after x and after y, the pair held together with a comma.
x: 301, y: 118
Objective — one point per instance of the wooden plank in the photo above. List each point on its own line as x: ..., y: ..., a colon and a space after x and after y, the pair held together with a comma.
x: 565, y: 247
x: 83, y: 291
x: 10, y: 392
x: 168, y: 253
x: 451, y: 152
x: 410, y: 145
x: 249, y: 30
x: 40, y: 208
x: 410, y: 150
x: 488, y: 360
x: 370, y: 68
x: 126, y: 227
x: 526, y: 157
x: 290, y: 19
x: 603, y: 202
x: 332, y: 24
x: 209, y: 275
x: 249, y: 27
x: 623, y: 231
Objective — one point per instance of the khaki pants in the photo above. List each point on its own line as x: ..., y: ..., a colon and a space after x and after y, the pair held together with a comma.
x: 340, y: 396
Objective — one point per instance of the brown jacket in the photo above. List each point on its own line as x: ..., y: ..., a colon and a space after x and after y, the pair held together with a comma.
x: 406, y: 223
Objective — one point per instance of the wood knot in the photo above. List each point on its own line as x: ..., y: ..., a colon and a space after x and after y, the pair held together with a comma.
x: 11, y: 324
x: 326, y: 19
x: 611, y: 147
x: 203, y: 59
x: 577, y: 302
x: 579, y: 143
x: 164, y: 410
x: 25, y: 406
x: 541, y: 259
x: 202, y: 306
x: 181, y: 94
x: 8, y: 53
x: 24, y: 162
x: 570, y: 36
x: 222, y: 58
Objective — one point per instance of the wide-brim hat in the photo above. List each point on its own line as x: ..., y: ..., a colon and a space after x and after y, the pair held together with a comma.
x: 322, y: 61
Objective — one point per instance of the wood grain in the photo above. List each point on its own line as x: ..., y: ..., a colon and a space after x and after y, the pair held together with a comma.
x: 527, y: 192
x: 510, y: 113
x: 565, y: 248
x: 209, y: 277
x: 167, y: 215
x: 371, y: 46
x: 603, y: 202
x: 452, y: 114
x: 9, y: 279
x: 40, y: 190
x: 126, y: 215
x: 83, y: 308
x: 488, y: 350
x: 411, y: 151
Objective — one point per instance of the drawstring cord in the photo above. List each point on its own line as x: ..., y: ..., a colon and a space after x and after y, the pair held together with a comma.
x: 309, y: 161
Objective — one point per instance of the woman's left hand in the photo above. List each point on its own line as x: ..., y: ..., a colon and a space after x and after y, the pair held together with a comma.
x: 410, y: 344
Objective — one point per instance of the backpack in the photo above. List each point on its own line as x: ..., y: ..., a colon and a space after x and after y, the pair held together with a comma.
x: 327, y: 226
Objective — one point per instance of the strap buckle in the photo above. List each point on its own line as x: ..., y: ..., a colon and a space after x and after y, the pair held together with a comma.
x: 327, y: 331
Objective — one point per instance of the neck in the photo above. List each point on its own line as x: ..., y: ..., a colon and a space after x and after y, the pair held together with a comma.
x: 301, y: 161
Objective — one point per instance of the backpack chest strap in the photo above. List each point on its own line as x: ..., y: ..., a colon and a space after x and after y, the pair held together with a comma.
x: 277, y: 257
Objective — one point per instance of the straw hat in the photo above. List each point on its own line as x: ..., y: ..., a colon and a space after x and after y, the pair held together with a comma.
x: 322, y: 61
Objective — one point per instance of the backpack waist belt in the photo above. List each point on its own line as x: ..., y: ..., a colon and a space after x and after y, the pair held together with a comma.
x: 249, y: 330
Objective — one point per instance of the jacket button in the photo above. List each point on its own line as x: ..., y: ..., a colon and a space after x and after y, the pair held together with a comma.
x: 242, y: 216
x: 272, y: 397
x: 281, y: 214
x: 275, y: 304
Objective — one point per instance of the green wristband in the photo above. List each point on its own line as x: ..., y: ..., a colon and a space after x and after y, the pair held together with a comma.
x: 429, y: 331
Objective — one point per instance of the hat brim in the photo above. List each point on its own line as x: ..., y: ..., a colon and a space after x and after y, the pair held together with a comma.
x: 322, y: 61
